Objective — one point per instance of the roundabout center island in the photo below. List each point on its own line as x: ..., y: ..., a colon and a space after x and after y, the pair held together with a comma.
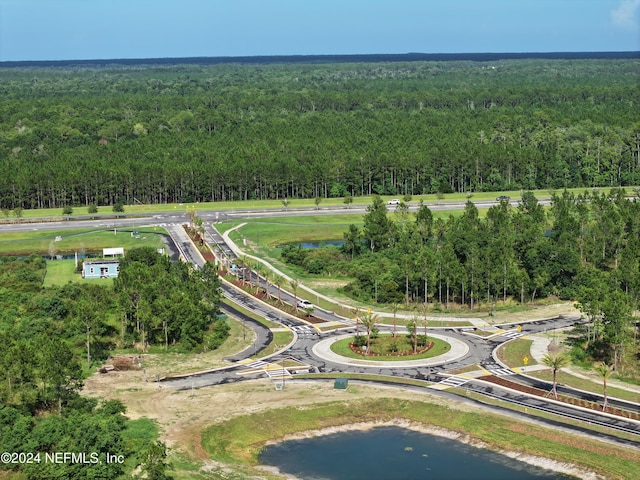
x: 452, y: 348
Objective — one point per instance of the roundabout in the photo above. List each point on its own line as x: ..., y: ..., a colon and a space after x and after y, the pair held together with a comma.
x: 458, y: 350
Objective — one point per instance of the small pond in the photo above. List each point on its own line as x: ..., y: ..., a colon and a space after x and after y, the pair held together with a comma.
x: 318, y: 244
x: 395, y: 453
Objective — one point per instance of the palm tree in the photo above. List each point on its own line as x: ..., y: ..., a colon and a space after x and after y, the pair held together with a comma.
x: 412, y: 326
x: 278, y: 281
x: 425, y: 319
x: 258, y: 269
x: 356, y: 316
x: 394, y: 308
x: 191, y: 213
x: 555, y: 363
x: 243, y: 265
x: 266, y: 273
x: 604, y: 371
x: 369, y: 322
x: 294, y: 284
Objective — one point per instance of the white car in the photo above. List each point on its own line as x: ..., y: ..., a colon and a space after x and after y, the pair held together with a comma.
x: 304, y: 304
x: 395, y: 201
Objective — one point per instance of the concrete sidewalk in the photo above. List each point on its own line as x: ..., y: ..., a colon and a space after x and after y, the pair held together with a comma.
x: 540, y: 347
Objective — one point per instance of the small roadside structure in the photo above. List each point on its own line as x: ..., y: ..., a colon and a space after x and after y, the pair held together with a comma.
x: 341, y: 383
x: 101, y: 269
x: 113, y: 252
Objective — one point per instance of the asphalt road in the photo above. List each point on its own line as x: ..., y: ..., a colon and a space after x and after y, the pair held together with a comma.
x: 480, y: 350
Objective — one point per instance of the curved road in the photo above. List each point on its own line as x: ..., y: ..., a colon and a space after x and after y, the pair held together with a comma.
x: 479, y: 351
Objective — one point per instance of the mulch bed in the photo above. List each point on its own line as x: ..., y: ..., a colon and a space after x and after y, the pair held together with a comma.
x: 199, y: 243
x: 561, y: 398
x: 359, y: 351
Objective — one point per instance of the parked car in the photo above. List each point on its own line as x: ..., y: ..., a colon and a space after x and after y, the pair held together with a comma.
x: 503, y: 198
x: 304, y: 304
x: 395, y: 201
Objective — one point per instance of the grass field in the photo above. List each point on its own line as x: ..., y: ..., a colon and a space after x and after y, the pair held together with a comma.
x: 47, y: 242
x: 589, y: 385
x: 269, y: 233
x: 514, y: 352
x: 60, y: 272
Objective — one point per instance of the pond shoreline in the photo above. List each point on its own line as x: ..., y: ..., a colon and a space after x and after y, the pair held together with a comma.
x: 542, y: 462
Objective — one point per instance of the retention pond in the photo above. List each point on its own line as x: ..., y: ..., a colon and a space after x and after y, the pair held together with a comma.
x: 395, y: 453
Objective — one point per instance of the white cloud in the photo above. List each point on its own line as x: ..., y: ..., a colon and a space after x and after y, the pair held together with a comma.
x: 625, y: 15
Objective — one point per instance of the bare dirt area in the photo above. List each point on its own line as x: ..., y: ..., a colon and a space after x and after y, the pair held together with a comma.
x: 537, y: 313
x: 181, y: 415
x: 497, y: 317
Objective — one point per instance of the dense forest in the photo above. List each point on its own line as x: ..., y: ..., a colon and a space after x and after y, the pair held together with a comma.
x: 165, y: 303
x: 48, y: 334
x: 43, y: 333
x: 585, y: 248
x: 85, y: 135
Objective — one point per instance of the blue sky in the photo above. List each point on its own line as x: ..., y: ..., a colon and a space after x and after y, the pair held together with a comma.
x: 103, y: 29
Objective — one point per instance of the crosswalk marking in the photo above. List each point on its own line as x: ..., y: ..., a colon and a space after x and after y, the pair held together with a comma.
x: 512, y: 334
x: 347, y: 321
x: 302, y: 329
x: 257, y: 364
x: 260, y: 366
x: 279, y: 373
x: 450, y: 382
x: 454, y: 381
x: 498, y: 372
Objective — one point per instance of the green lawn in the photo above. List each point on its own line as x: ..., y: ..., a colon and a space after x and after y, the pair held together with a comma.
x: 60, y: 272
x: 268, y: 233
x: 587, y: 385
x: 76, y: 240
x: 514, y: 352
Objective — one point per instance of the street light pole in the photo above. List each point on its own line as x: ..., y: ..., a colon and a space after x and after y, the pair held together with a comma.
x: 283, y: 373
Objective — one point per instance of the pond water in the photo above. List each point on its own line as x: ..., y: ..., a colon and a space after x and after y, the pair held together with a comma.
x: 72, y: 256
x: 65, y: 256
x: 318, y: 244
x: 395, y: 453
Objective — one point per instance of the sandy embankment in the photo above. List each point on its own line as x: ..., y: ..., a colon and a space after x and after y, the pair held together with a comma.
x: 549, y: 464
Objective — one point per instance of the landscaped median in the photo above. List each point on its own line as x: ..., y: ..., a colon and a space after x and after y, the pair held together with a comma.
x: 338, y: 350
x: 517, y: 354
x: 571, y: 400
x: 390, y: 348
x: 232, y: 282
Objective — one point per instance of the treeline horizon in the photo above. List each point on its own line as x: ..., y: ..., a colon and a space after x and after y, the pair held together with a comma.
x: 196, y: 133
x: 325, y: 58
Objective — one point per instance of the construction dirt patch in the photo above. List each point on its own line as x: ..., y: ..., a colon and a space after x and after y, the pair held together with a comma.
x: 181, y: 415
